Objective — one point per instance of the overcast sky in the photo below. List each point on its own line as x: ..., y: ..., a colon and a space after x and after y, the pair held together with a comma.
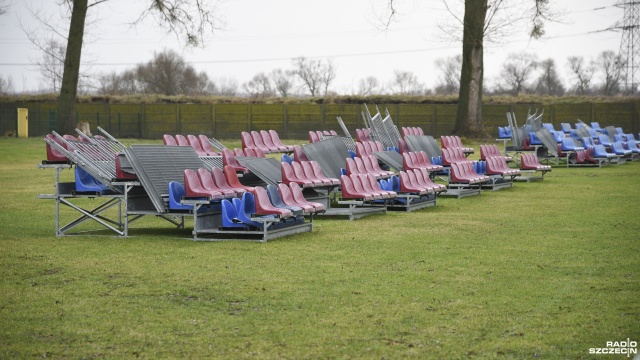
x: 260, y: 35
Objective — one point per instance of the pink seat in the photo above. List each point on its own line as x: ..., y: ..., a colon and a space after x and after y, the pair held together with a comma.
x: 257, y: 140
x: 289, y: 176
x: 310, y: 174
x: 193, y: 187
x: 276, y: 141
x: 264, y: 205
x: 232, y: 179
x: 268, y: 142
x: 221, y: 182
x: 53, y: 154
x: 298, y: 154
x: 287, y: 198
x: 317, y: 170
x: 349, y: 191
x: 247, y: 141
x: 301, y: 175
x: 313, y: 137
x: 195, y: 144
x: 208, y: 184
x: 229, y: 159
x: 182, y: 141
x: 206, y: 146
x: 296, y: 192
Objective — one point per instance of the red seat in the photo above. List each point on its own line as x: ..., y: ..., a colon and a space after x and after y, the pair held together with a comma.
x: 195, y: 144
x: 496, y: 165
x: 363, y: 181
x: 298, y: 154
x: 422, y: 176
x: 232, y: 179
x: 313, y: 137
x: 287, y: 198
x: 193, y: 187
x: 169, y: 140
x: 349, y: 191
x: 317, y: 170
x: 53, y: 154
x: 268, y: 142
x: 229, y: 159
x: 276, y: 141
x: 296, y: 192
x: 208, y: 184
x: 529, y: 161
x: 301, y: 175
x: 247, y: 141
x: 311, y: 175
x: 181, y: 140
x: 264, y: 205
x: 407, y: 186
x: 221, y: 182
x: 289, y: 176
x: 206, y: 146
x: 257, y: 140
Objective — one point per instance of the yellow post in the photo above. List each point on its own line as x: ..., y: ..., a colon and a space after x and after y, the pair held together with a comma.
x: 23, y: 122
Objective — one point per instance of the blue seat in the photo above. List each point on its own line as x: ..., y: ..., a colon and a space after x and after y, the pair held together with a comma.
x: 600, y: 152
x: 480, y: 167
x: 618, y: 149
x: 629, y: 137
x: 548, y: 126
x: 619, y: 138
x: 633, y: 146
x: 588, y: 142
x: 534, y: 139
x: 574, y: 135
x: 566, y: 128
x: 436, y: 160
x: 286, y: 158
x: 352, y: 154
x: 596, y: 126
x: 558, y: 136
x: 619, y: 130
x: 594, y: 134
x: 176, y: 192
x: 569, y: 145
x: 87, y: 183
x: 276, y: 199
x: 230, y: 216
x: 504, y: 132
x: 246, y: 208
x: 604, y: 140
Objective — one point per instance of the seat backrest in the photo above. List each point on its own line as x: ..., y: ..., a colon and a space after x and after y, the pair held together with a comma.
x: 359, y: 165
x: 206, y: 145
x: 176, y: 192
x: 313, y: 137
x: 181, y: 140
x: 402, y: 146
x: 228, y: 158
x: 192, y: 184
x: 287, y: 173
x: 219, y: 178
x: 169, y: 140
x: 250, y: 152
x: 266, y: 139
x: 207, y: 180
x: 298, y: 154
x: 299, y: 171
x: 275, y: 138
x: 247, y: 141
x: 195, y: 144
x: 257, y: 139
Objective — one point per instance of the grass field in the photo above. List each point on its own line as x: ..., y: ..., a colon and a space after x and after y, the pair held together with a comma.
x: 542, y: 270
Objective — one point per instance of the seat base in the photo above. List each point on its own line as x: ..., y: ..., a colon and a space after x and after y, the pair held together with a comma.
x: 409, y: 203
x: 353, y: 210
x: 461, y: 191
x: 497, y: 183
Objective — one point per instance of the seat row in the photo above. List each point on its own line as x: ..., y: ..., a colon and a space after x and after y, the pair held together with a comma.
x: 200, y: 144
x: 368, y: 148
x: 363, y: 187
x: 315, y: 136
x: 267, y: 141
x: 492, y: 150
x: 305, y: 174
x: 366, y: 165
x: 418, y: 160
x: 454, y: 141
x: 363, y: 135
x: 415, y: 182
x: 464, y: 173
x: 414, y: 130
x: 497, y: 165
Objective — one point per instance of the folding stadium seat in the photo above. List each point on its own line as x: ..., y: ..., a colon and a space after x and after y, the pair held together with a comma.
x: 349, y: 191
x: 206, y: 146
x: 360, y: 150
x: 228, y: 158
x: 182, y: 141
x: 407, y: 186
x: 403, y: 147
x: 264, y: 205
x: 193, y: 186
x: 566, y: 128
x: 569, y: 145
x: 422, y: 175
x: 257, y: 141
x: 246, y: 208
x: 169, y: 140
x: 289, y: 176
x: 250, y: 152
x: 496, y: 165
x: 176, y: 192
x: 230, y: 216
x: 69, y: 137
x: 588, y: 142
x: 87, y: 183
x: 619, y: 138
x: 361, y: 182
x: 604, y: 140
x: 121, y: 174
x: 287, y: 198
x: 247, y: 141
x: 599, y: 151
x: 195, y: 144
x: 298, y: 154
x: 276, y: 199
x: 533, y: 139
x: 596, y: 126
x: 313, y: 137
x: 310, y: 174
x: 54, y: 155
x: 298, y: 197
x: 463, y: 173
x: 530, y: 161
x: 452, y: 155
x: 223, y: 184
x: 286, y: 158
x: 301, y: 175
x: 275, y: 138
x: 206, y: 179
x: 266, y: 140
x: 633, y: 146
x: 375, y: 166
x: 317, y: 170
x: 232, y: 179
x: 618, y: 149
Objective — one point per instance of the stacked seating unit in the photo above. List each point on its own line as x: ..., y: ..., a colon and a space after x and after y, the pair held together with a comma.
x: 419, y: 160
x: 307, y: 174
x: 366, y: 165
x: 315, y: 136
x: 266, y: 141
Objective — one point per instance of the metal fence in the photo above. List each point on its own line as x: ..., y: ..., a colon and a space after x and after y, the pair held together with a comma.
x: 293, y: 121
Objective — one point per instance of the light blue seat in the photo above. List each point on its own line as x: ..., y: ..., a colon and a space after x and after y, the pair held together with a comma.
x: 569, y: 145
x: 618, y: 149
x: 534, y: 140
x: 566, y: 128
x: 600, y: 152
x: 230, y: 216
x: 587, y: 142
x: 604, y: 140
x: 596, y: 126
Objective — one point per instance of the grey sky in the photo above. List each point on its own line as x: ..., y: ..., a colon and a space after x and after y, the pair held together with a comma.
x: 262, y: 35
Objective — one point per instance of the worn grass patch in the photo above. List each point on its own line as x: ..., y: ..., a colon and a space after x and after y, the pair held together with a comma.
x: 546, y: 270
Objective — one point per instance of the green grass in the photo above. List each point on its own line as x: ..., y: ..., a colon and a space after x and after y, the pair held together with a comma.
x: 542, y: 270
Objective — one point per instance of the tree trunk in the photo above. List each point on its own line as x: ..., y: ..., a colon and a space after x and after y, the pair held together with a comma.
x: 469, y: 115
x: 66, y: 119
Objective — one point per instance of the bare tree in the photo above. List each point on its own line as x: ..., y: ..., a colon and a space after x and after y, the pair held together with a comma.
x: 368, y: 86
x: 449, y: 79
x: 283, y: 81
x: 6, y: 85
x: 314, y: 74
x: 406, y: 83
x: 259, y: 86
x: 611, y: 65
x: 191, y: 19
x: 516, y: 71
x: 581, y: 72
x: 225, y: 87
x: 548, y: 82
x: 4, y: 7
x: 51, y: 64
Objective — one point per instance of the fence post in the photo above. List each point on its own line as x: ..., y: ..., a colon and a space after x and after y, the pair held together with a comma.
x: 285, y: 120
x: 212, y: 118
